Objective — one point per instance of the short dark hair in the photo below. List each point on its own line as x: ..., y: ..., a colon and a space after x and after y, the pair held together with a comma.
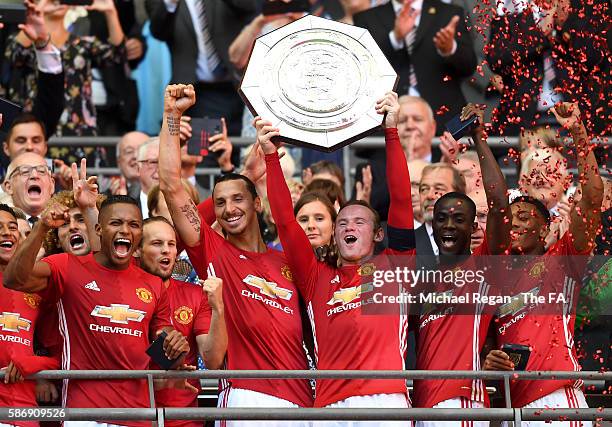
x: 25, y: 118
x: 333, y: 191
x: 152, y: 219
x: 117, y: 198
x: 157, y: 218
x: 316, y: 196
x: 329, y: 167
x: 455, y: 195
x: 365, y: 204
x: 237, y: 177
x: 536, y: 203
x: 7, y: 208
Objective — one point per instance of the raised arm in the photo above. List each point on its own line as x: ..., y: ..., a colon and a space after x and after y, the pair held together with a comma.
x: 586, y: 215
x: 177, y: 99
x: 398, y: 178
x: 499, y: 219
x: 85, y: 196
x: 296, y: 245
x: 213, y: 345
x: 23, y: 273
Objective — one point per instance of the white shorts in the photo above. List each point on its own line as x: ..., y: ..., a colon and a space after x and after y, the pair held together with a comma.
x: 241, y: 398
x: 456, y: 403
x: 395, y: 400
x: 567, y: 397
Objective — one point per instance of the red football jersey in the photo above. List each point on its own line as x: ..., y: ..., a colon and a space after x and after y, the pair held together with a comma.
x: 448, y: 341
x: 107, y: 319
x: 18, y: 317
x: 262, y: 313
x: 550, y: 333
x: 191, y: 317
x: 350, y: 330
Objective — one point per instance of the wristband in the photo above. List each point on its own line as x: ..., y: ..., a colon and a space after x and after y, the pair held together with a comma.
x: 43, y: 45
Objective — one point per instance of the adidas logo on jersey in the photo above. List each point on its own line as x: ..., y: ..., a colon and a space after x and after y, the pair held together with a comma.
x: 242, y: 256
x: 92, y: 286
x: 335, y: 279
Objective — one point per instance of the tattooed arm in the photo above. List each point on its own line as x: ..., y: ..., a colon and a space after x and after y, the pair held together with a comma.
x: 183, y: 210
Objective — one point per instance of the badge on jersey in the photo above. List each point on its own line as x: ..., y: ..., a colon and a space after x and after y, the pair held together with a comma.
x: 144, y: 295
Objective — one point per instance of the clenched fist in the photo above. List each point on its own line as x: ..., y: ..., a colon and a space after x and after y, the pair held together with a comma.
x: 178, y: 98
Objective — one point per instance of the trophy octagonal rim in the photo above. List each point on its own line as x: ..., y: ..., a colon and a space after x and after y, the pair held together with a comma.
x: 318, y: 81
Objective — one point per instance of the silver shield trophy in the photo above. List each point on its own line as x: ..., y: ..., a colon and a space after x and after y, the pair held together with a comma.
x: 318, y: 81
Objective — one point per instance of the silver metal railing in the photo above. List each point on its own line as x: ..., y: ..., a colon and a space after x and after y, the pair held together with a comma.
x: 159, y: 415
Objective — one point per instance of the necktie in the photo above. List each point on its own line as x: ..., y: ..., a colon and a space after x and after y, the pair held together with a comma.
x: 33, y: 220
x: 409, y: 40
x: 212, y: 58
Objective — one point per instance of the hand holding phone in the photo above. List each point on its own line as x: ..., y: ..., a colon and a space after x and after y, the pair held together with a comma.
x: 158, y: 355
x: 201, y: 131
x: 519, y: 355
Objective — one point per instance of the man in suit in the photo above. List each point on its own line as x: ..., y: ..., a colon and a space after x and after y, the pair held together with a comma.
x: 437, y: 179
x: 198, y: 34
x: 428, y: 45
x: 552, y: 51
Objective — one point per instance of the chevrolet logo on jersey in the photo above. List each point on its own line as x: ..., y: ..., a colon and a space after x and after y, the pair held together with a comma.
x: 347, y: 295
x: 269, y: 289
x: 118, y: 313
x: 517, y: 304
x: 12, y: 322
x: 429, y: 304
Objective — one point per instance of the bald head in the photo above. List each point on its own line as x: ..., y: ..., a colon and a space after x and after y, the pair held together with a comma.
x: 127, y: 152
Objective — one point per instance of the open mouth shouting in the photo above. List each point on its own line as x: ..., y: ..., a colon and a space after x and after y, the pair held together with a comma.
x: 7, y: 245
x: 77, y: 241
x: 350, y: 239
x: 34, y: 191
x: 122, y: 247
x: 448, y: 240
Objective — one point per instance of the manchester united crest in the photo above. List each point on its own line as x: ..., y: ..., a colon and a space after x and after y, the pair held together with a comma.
x: 537, y: 270
x: 286, y: 272
x: 144, y: 295
x: 367, y: 269
x: 32, y: 300
x: 183, y: 315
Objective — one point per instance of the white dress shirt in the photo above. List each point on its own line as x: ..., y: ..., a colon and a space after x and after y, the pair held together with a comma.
x: 429, y: 229
x: 143, y: 205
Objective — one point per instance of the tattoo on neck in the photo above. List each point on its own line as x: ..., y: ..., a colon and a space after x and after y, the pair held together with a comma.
x: 191, y: 213
x: 174, y: 125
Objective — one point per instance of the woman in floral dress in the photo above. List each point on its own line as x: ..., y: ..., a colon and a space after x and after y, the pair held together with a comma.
x: 79, y: 56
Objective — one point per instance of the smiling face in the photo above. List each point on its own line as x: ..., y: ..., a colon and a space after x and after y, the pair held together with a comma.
x: 9, y: 237
x: 120, y: 231
x: 434, y: 184
x: 235, y: 207
x: 529, y: 229
x: 25, y: 138
x: 453, y: 225
x: 30, y: 187
x: 127, y: 155
x: 158, y: 252
x: 355, y: 234
x: 316, y: 222
x: 546, y: 178
x: 72, y: 236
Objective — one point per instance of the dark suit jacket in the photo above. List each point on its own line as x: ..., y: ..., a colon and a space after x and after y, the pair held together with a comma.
x: 423, y: 244
x: 581, y: 69
x: 48, y: 105
x: 225, y: 18
x: 380, y: 199
x: 439, y: 78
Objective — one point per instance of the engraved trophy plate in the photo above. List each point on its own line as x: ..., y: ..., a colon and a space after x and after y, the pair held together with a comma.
x: 318, y: 82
